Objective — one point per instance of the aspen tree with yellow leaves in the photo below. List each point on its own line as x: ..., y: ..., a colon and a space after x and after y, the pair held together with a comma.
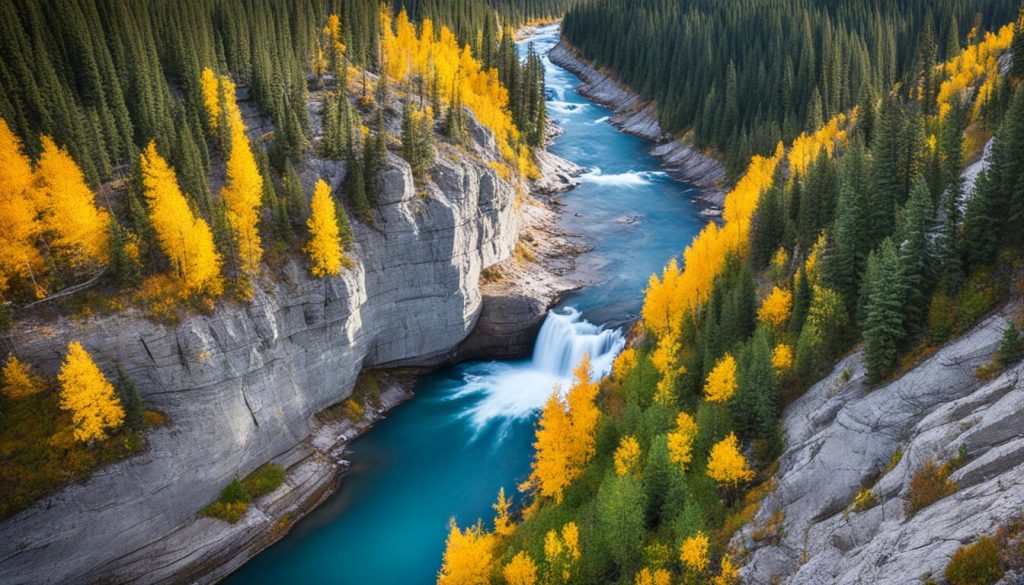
x: 721, y: 382
x: 69, y: 209
x: 562, y: 553
x: 18, y: 381
x: 19, y: 258
x: 648, y: 576
x: 565, y: 435
x: 521, y: 570
x: 775, y: 308
x: 85, y: 391
x: 693, y: 553
x: 185, y: 240
x: 468, y: 556
x: 324, y: 245
x: 726, y: 464
x: 627, y: 455
x: 503, y: 525
x: 680, y: 440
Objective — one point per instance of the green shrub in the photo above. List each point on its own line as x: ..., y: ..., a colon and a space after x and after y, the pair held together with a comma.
x: 976, y: 564
x: 229, y: 512
x: 263, y: 481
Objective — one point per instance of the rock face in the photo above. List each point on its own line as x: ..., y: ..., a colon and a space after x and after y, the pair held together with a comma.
x: 639, y: 117
x: 842, y: 435
x: 240, y: 387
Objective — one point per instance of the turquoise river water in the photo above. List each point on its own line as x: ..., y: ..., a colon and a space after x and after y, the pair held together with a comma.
x: 468, y: 430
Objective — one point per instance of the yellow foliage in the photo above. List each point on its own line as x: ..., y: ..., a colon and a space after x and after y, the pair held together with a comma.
x: 18, y: 379
x: 694, y: 552
x: 565, y: 436
x: 721, y: 382
x: 562, y: 552
x: 324, y: 246
x: 779, y: 260
x: 666, y: 360
x: 680, y: 440
x: 243, y: 189
x: 85, y: 391
x: 18, y: 223
x: 521, y: 570
x: 669, y: 297
x: 210, y: 86
x: 627, y: 455
x: 807, y: 147
x: 438, y: 56
x: 624, y: 362
x: 975, y: 63
x: 728, y: 574
x: 656, y: 577
x: 782, y: 357
x: 503, y: 525
x: 468, y: 556
x: 184, y: 239
x: 336, y: 48
x: 811, y: 264
x: 775, y: 308
x: 726, y: 465
x: 68, y: 207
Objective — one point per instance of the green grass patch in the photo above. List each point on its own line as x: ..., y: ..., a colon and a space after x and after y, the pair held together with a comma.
x: 235, y: 497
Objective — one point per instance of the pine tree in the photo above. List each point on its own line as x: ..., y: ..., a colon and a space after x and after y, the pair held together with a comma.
x: 355, y: 184
x: 883, y: 323
x: 915, y: 257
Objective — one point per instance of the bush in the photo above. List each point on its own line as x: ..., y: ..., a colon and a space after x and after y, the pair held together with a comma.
x: 931, y: 483
x: 263, y: 481
x: 865, y: 499
x: 976, y: 564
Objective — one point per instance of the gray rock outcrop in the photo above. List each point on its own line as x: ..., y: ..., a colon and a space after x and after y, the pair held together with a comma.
x: 842, y: 435
x: 240, y: 386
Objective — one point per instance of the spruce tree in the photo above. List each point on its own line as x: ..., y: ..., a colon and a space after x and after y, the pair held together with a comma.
x: 883, y: 325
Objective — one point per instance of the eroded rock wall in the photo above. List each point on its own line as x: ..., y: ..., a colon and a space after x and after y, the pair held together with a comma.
x: 241, y: 386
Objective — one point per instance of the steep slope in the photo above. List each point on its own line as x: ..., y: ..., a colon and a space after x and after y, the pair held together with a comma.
x: 842, y: 435
x: 240, y: 386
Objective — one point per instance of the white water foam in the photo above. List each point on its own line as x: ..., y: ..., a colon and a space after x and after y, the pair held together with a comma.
x: 601, y: 120
x: 627, y: 179
x: 513, y: 391
x: 566, y: 108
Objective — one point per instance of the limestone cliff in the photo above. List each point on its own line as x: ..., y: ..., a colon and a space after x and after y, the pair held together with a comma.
x: 842, y: 436
x: 240, y: 386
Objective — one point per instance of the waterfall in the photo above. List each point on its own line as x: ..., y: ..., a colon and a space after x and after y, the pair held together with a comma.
x: 505, y: 391
x: 566, y: 337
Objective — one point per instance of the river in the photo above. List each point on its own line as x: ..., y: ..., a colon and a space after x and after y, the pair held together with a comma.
x: 468, y: 431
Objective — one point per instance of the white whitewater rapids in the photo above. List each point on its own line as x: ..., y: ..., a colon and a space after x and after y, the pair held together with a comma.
x: 515, y: 390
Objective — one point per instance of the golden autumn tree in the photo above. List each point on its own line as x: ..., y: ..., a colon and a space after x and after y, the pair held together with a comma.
x: 728, y: 573
x: 726, y: 465
x: 85, y: 391
x: 624, y: 362
x: 782, y: 357
x: 243, y: 188
x: 721, y: 382
x: 468, y: 556
x: 562, y: 553
x: 19, y: 257
x: 775, y: 308
x: 503, y: 525
x: 185, y: 240
x: 693, y: 553
x: 647, y: 576
x: 627, y: 455
x: 551, y: 469
x: 566, y: 435
x: 18, y: 379
x: 324, y: 245
x: 69, y: 209
x: 665, y: 359
x: 521, y: 570
x: 680, y: 440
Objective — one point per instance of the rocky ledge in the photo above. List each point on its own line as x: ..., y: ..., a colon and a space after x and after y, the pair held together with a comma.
x: 844, y: 436
x: 242, y: 386
x: 639, y: 117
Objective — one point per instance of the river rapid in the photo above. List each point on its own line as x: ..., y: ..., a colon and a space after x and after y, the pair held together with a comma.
x: 468, y: 430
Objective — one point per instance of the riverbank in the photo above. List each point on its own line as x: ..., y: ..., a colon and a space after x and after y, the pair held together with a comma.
x: 638, y: 117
